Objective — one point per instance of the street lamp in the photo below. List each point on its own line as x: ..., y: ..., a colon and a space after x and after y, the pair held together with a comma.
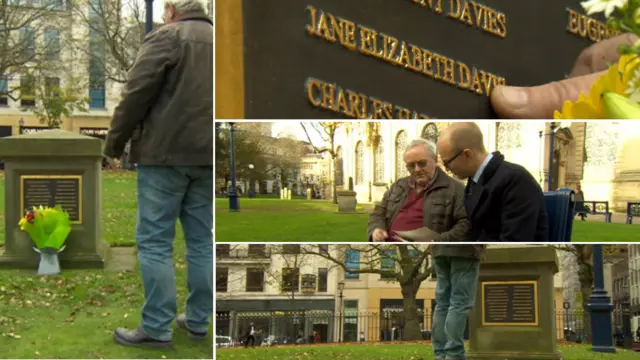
x: 252, y: 187
x: 148, y: 25
x: 341, y: 296
x: 552, y: 139
x: 233, y: 193
x: 600, y: 307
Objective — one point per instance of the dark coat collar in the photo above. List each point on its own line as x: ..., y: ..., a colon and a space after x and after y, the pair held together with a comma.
x: 491, y: 168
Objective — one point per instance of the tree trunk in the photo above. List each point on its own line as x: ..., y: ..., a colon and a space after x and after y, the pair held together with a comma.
x: 585, y: 273
x: 411, y: 327
x: 333, y: 182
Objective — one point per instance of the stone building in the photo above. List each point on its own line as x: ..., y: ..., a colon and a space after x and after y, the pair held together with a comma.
x: 249, y: 289
x: 599, y: 155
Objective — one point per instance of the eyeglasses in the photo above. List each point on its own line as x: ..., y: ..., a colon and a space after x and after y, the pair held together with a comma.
x: 421, y: 164
x: 446, y: 163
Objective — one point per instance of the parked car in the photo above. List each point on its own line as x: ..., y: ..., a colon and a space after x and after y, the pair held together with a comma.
x: 224, y: 341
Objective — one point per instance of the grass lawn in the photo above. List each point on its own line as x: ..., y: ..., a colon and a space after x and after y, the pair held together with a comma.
x: 408, y: 351
x: 73, y: 315
x: 318, y: 221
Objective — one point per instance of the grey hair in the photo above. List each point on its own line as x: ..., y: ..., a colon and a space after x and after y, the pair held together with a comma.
x: 186, y: 6
x: 430, y: 145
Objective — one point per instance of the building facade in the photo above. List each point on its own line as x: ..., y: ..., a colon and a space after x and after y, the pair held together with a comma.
x: 598, y: 155
x: 284, y: 291
x: 64, y: 38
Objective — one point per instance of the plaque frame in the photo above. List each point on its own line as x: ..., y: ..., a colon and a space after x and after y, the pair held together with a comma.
x: 61, y: 177
x: 536, y: 303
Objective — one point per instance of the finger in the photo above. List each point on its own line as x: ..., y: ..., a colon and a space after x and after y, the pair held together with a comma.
x: 539, y: 102
x: 601, y: 55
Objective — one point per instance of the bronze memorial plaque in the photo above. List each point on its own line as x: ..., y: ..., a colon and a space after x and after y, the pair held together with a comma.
x: 52, y: 190
x: 509, y: 303
x: 393, y: 59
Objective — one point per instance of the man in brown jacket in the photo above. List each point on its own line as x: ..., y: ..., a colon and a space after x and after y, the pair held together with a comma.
x: 428, y: 197
x: 167, y: 113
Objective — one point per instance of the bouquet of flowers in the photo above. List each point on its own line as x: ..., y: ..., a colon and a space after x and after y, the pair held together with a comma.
x: 615, y: 95
x: 48, y: 228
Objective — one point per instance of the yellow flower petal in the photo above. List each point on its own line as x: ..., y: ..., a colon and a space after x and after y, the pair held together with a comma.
x: 615, y: 80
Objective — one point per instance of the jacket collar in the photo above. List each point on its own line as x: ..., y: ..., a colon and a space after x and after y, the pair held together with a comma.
x: 196, y: 16
x: 491, y: 168
x: 441, y: 180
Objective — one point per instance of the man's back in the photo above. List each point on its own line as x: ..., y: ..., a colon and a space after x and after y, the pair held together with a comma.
x: 506, y: 205
x: 168, y: 100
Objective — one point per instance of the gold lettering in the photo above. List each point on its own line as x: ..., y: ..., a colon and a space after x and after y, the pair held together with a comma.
x: 342, y: 104
x: 354, y: 99
x: 465, y: 76
x: 466, y: 14
x: 502, y: 25
x: 476, y: 86
x: 328, y: 95
x: 311, y: 28
x: 313, y: 84
x: 404, y: 59
x: 324, y: 30
x: 454, y: 14
x: 416, y: 65
x: 425, y: 3
x: 427, y: 57
x: 367, y: 40
x: 349, y: 35
x: 347, y: 102
x: 398, y: 52
x: 589, y: 28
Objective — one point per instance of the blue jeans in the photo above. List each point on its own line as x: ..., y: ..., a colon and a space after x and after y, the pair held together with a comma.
x: 456, y: 283
x: 166, y: 194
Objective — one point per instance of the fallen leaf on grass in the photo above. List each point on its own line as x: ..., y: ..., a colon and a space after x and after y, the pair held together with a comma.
x: 126, y: 316
x: 105, y: 314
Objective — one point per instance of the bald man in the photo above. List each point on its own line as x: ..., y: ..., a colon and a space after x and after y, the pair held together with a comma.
x: 504, y: 202
x: 539, y: 102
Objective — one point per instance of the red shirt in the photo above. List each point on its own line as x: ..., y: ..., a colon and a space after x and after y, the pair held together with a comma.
x: 411, y: 215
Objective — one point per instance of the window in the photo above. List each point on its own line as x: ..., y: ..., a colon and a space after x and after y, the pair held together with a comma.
x: 402, y: 140
x: 27, y: 91
x: 378, y: 162
x: 291, y: 249
x: 27, y: 43
x: 257, y: 250
x: 339, y: 170
x: 352, y: 262
x: 323, y: 276
x: 387, y: 262
x: 323, y: 249
x: 309, y: 283
x: 223, y: 250
x: 360, y: 163
x: 97, y: 93
x: 52, y: 87
x: 222, y: 279
x: 4, y: 91
x: 52, y: 44
x: 290, y: 279
x: 255, y: 280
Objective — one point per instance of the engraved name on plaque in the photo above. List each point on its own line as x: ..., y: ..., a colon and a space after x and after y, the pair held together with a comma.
x: 507, y: 303
x: 52, y: 190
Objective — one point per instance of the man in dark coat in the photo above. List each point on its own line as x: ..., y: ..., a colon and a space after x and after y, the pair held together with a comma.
x: 503, y: 200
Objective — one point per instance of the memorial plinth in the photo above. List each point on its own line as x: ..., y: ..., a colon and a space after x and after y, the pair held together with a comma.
x: 513, y: 317
x: 49, y: 168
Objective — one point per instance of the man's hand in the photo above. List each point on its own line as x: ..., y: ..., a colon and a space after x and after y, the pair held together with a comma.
x: 379, y: 235
x: 539, y: 102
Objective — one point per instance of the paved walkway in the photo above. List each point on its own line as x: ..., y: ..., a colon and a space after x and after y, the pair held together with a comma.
x: 616, y: 218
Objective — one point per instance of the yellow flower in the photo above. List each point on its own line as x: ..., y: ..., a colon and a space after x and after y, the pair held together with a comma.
x: 617, y: 80
x: 22, y: 222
